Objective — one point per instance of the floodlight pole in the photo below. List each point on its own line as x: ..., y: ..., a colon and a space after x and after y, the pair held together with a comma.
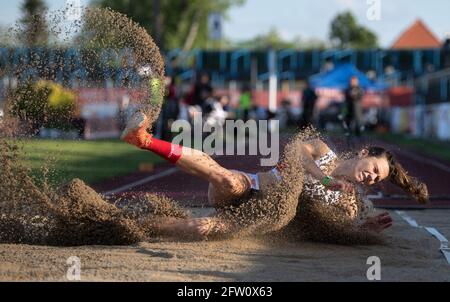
x: 273, y: 81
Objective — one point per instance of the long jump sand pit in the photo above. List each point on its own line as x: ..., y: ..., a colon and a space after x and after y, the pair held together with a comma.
x: 410, y: 254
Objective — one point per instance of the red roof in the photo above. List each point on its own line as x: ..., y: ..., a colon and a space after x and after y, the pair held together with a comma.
x: 416, y: 36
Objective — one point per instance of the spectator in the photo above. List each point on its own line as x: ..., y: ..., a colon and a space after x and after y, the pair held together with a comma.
x: 225, y: 101
x: 202, y: 91
x: 309, y: 98
x: 170, y: 108
x: 353, y: 102
x: 245, y: 102
x: 216, y: 111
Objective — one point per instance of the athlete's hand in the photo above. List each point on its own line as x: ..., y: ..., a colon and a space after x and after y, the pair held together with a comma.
x: 378, y: 223
x: 340, y: 185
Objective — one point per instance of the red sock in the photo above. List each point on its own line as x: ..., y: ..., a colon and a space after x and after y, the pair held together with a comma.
x: 280, y: 166
x: 168, y: 151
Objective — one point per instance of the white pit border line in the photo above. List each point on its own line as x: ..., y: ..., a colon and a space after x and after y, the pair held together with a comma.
x: 433, y: 231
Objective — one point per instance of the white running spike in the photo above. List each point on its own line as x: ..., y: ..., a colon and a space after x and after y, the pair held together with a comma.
x: 136, y: 121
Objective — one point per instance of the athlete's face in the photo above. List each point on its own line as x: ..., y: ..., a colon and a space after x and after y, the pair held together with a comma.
x: 370, y: 170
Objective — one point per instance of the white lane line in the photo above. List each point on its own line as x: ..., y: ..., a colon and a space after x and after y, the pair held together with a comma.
x: 444, y: 242
x: 439, y: 236
x: 446, y: 252
x: 379, y: 195
x: 426, y: 160
x: 142, y: 181
x: 408, y: 219
x: 433, y: 231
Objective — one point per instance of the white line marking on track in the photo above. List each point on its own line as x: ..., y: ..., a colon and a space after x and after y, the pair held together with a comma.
x: 444, y: 242
x: 379, y: 195
x: 408, y: 219
x: 142, y: 181
x: 433, y: 231
x: 439, y: 237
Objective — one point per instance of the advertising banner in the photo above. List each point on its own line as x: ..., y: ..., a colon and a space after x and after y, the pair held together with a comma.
x: 432, y: 121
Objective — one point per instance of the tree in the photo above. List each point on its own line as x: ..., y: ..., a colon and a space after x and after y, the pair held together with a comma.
x: 5, y: 36
x: 33, y: 24
x: 43, y: 104
x: 347, y: 33
x: 172, y: 23
x: 273, y: 39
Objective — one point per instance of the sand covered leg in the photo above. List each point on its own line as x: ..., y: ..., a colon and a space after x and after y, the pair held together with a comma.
x: 273, y: 209
x: 194, y: 162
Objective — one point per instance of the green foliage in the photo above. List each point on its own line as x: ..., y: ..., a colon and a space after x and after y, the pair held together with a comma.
x: 43, y: 104
x: 273, y: 39
x: 347, y: 33
x: 6, y: 40
x: 33, y: 24
x: 177, y: 18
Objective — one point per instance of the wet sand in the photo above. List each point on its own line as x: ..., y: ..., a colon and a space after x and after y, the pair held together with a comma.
x: 409, y: 255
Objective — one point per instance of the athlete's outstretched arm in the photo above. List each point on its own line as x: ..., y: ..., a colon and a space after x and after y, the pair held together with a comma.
x: 311, y: 151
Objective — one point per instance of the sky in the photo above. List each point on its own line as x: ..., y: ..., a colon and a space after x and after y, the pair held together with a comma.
x: 306, y: 18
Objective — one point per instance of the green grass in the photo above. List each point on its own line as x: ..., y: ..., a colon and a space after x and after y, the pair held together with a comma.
x: 91, y: 161
x: 433, y: 148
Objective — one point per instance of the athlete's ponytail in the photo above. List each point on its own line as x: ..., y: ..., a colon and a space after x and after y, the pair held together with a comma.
x: 400, y: 177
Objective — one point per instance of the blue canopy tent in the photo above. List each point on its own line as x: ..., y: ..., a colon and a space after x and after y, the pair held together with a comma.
x: 339, y: 78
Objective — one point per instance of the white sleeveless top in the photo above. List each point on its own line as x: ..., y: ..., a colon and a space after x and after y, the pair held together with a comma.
x: 313, y: 187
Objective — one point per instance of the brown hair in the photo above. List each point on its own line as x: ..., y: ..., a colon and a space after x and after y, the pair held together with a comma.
x: 399, y: 176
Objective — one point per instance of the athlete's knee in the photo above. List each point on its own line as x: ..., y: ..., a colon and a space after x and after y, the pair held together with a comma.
x: 232, y: 183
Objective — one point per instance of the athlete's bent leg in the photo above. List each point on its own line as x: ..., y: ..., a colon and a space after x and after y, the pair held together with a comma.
x: 194, y: 162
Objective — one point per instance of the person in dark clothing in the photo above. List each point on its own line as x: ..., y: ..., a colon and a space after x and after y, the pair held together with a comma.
x: 309, y: 98
x: 170, y: 108
x: 202, y: 91
x: 353, y: 104
x: 245, y: 102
